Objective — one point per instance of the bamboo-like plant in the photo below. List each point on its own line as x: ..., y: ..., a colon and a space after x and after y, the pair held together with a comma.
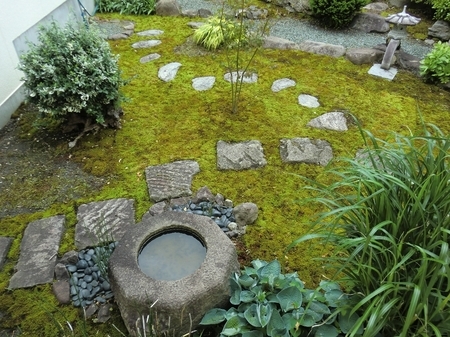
x: 388, y: 215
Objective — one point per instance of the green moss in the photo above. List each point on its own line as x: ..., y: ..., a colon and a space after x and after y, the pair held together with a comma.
x: 164, y: 122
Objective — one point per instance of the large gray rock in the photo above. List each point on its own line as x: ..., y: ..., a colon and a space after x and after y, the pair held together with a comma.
x: 360, y: 56
x: 273, y: 42
x: 440, y: 30
x: 179, y: 304
x: 305, y: 150
x: 240, y: 156
x: 38, y: 252
x: 102, y: 221
x: 370, y: 22
x: 281, y: 84
x: 322, y: 48
x: 171, y: 180
x: 167, y: 8
x: 168, y: 72
x: 5, y: 244
x: 334, y: 121
x: 376, y: 7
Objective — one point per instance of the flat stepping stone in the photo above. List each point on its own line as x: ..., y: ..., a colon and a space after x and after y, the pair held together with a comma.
x: 240, y: 156
x: 334, y: 121
x: 169, y: 71
x: 38, y: 252
x: 305, y: 150
x: 5, y: 244
x: 238, y: 75
x: 203, y: 83
x: 308, y: 101
x: 169, y: 181
x: 150, y: 32
x: 149, y: 57
x: 102, y: 221
x: 146, y: 44
x: 282, y: 83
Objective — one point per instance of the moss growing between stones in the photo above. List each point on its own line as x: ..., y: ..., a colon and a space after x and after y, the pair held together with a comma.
x: 170, y: 121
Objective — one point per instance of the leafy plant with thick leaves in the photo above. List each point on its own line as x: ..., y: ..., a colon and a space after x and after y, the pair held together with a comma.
x: 435, y: 67
x: 266, y: 302
x: 388, y: 215
x: 136, y: 7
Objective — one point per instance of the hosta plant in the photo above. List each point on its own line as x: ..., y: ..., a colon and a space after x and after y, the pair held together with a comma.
x: 436, y: 65
x: 388, y: 217
x: 266, y: 302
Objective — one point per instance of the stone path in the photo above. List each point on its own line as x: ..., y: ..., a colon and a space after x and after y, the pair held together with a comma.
x: 108, y: 220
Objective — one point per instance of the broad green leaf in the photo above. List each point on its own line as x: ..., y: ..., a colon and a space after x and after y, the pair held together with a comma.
x: 346, y: 322
x: 334, y: 297
x: 273, y: 269
x: 310, y: 318
x: 254, y: 333
x: 233, y: 326
x: 235, y: 289
x: 326, y: 331
x: 328, y: 285
x: 234, y: 284
x: 264, y: 312
x: 318, y: 307
x: 247, y: 296
x: 251, y: 315
x: 214, y: 316
x: 275, y: 324
x: 231, y: 312
x: 290, y: 298
x: 258, y: 264
x: 246, y: 281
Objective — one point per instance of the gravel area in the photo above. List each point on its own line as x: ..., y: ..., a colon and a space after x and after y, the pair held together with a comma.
x: 299, y: 31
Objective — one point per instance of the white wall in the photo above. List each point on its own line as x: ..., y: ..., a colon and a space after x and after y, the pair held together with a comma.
x: 19, y: 22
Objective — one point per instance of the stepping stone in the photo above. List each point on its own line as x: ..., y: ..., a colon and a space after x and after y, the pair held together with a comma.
x: 305, y: 150
x: 282, y: 83
x: 308, y: 101
x: 169, y: 71
x: 146, y: 44
x: 195, y: 25
x: 203, y: 83
x: 102, y: 221
x: 240, y: 156
x: 38, y: 252
x: 151, y: 32
x: 5, y: 244
x: 149, y: 58
x: 389, y: 74
x: 246, y: 77
x: 334, y: 121
x: 169, y: 181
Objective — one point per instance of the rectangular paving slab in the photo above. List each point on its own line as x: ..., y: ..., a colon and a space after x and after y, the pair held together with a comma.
x: 38, y: 252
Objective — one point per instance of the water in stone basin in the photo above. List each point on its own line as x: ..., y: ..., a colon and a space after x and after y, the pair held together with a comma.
x: 171, y: 256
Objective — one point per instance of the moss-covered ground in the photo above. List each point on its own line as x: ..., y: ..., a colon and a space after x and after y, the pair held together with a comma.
x: 164, y: 122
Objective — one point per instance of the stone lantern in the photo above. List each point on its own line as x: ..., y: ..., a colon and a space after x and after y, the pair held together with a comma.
x: 398, y: 32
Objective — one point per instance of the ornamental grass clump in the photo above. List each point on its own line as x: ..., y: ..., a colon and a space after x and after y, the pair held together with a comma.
x: 388, y: 215
x: 71, y: 74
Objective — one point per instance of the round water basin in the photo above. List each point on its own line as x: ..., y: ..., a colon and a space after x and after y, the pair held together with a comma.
x: 171, y: 256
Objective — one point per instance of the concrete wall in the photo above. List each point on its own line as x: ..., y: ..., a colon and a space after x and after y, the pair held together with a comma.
x: 19, y: 22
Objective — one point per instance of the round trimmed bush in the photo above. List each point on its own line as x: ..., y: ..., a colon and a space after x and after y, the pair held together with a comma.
x: 336, y: 13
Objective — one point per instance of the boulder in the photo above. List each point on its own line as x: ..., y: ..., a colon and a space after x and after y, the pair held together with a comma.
x: 305, y: 150
x: 298, y: 6
x: 370, y: 22
x: 273, y: 42
x: 61, y: 289
x: 322, y: 48
x: 240, y: 156
x: 245, y: 214
x: 167, y: 8
x: 440, y: 30
x: 360, y: 56
x: 376, y: 7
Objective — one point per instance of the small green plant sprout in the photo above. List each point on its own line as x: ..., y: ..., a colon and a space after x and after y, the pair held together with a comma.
x: 435, y: 67
x: 266, y: 302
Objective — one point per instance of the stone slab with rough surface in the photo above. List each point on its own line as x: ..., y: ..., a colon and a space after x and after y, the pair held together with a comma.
x: 335, y: 121
x: 240, y: 156
x: 171, y: 180
x: 38, y: 252
x: 305, y: 150
x: 5, y: 244
x: 103, y: 221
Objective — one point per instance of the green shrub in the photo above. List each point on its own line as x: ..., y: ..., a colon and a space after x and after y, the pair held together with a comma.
x: 136, y: 7
x: 336, y: 13
x: 436, y: 65
x: 439, y: 8
x: 269, y: 303
x: 71, y: 71
x: 219, y: 31
x: 388, y: 217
